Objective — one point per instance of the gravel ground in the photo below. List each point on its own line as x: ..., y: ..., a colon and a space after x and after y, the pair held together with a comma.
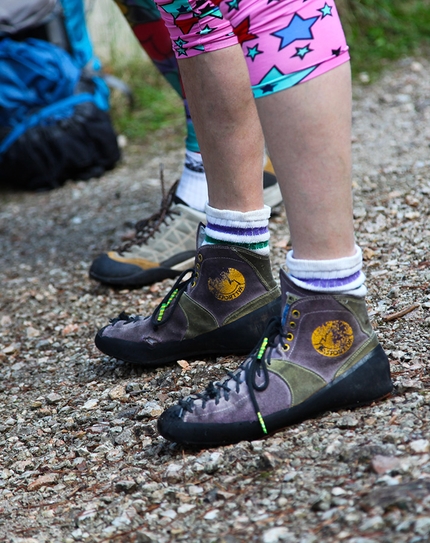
x: 80, y: 456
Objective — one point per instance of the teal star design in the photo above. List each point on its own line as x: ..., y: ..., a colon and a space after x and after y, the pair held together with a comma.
x: 206, y: 30
x: 180, y: 47
x: 253, y: 52
x: 234, y: 4
x: 275, y: 78
x: 176, y: 8
x: 326, y: 10
x: 302, y: 51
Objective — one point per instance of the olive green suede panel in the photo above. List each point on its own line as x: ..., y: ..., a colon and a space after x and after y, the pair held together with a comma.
x: 360, y: 353
x: 253, y: 305
x: 301, y: 381
x: 358, y: 308
x: 202, y: 321
x: 261, y: 266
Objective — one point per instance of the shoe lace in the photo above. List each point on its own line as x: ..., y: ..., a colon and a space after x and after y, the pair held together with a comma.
x: 172, y: 298
x: 248, y: 372
x: 146, y: 228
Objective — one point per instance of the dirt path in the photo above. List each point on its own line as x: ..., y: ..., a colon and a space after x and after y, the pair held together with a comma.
x: 80, y: 456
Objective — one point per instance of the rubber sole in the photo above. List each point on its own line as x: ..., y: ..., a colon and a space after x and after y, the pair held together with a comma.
x: 118, y: 274
x: 238, y: 337
x: 367, y: 381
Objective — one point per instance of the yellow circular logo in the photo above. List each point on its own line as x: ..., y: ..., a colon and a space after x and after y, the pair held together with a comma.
x: 333, y: 338
x: 228, y: 286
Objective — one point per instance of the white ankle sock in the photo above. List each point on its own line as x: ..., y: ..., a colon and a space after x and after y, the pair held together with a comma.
x: 193, y: 187
x: 249, y: 229
x: 341, y: 275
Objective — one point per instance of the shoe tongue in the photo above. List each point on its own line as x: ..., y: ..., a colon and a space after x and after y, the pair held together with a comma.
x: 289, y: 288
x: 200, y: 237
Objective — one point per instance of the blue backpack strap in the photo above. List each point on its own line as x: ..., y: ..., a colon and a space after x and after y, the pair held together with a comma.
x: 82, y: 49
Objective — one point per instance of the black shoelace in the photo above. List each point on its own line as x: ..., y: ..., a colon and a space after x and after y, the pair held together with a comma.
x: 172, y: 298
x: 146, y: 228
x: 252, y: 368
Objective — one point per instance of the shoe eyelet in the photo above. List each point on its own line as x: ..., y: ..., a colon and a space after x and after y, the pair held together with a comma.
x: 197, y: 266
x: 295, y: 313
x: 193, y: 284
x: 293, y: 324
x: 286, y: 347
x: 200, y: 257
x: 290, y: 336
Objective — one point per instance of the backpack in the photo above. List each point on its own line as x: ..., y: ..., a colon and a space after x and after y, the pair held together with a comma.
x: 54, y: 123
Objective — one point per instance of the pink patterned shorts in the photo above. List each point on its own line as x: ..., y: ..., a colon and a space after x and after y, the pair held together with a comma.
x: 285, y: 42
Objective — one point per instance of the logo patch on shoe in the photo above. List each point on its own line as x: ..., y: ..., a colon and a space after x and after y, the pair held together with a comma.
x: 228, y: 286
x: 333, y: 338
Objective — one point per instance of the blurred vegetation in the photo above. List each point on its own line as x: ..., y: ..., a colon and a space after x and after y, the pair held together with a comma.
x: 381, y: 31
x: 378, y: 33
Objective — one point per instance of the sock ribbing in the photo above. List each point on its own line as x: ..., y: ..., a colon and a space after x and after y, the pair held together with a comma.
x: 341, y: 275
x: 246, y: 229
x: 193, y: 187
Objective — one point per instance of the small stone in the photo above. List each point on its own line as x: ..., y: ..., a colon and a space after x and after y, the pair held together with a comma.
x: 53, y: 398
x: 337, y: 491
x: 420, y: 446
x: 117, y: 392
x: 43, y: 480
x: 372, y: 523
x: 12, y: 348
x: 348, y: 421
x: 185, y: 508
x: 383, y: 464
x: 422, y: 526
x: 211, y: 515
x: 146, y: 537
x: 126, y: 486
x: 174, y: 473
x: 91, y: 404
x: 194, y: 490
x: 275, y: 534
x: 151, y: 410
x: 126, y: 437
x: 170, y: 513
x: 114, y: 455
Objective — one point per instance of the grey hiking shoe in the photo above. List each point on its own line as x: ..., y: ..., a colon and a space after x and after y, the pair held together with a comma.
x: 219, y: 307
x: 321, y: 355
x: 164, y: 244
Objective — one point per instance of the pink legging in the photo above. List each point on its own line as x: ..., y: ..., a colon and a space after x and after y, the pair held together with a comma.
x: 285, y: 42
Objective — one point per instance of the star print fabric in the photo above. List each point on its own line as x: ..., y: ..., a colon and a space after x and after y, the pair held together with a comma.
x: 285, y: 42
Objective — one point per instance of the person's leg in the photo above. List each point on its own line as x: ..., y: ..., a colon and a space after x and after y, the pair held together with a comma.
x: 222, y: 308
x: 322, y: 354
x: 164, y: 244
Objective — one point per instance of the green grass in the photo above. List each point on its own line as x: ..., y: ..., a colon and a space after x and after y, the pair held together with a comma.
x: 378, y: 33
x: 382, y: 31
x: 157, y: 112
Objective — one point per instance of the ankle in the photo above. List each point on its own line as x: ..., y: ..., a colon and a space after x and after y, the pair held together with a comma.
x: 341, y: 275
x: 245, y: 229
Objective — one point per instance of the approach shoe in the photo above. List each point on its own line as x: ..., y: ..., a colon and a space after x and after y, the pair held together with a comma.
x: 217, y: 308
x: 322, y: 354
x: 164, y: 244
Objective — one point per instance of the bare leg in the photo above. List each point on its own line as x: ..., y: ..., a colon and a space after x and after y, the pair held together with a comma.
x: 227, y: 127
x: 308, y: 134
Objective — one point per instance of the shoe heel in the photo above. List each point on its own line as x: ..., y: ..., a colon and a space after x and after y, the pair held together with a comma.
x: 365, y: 382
